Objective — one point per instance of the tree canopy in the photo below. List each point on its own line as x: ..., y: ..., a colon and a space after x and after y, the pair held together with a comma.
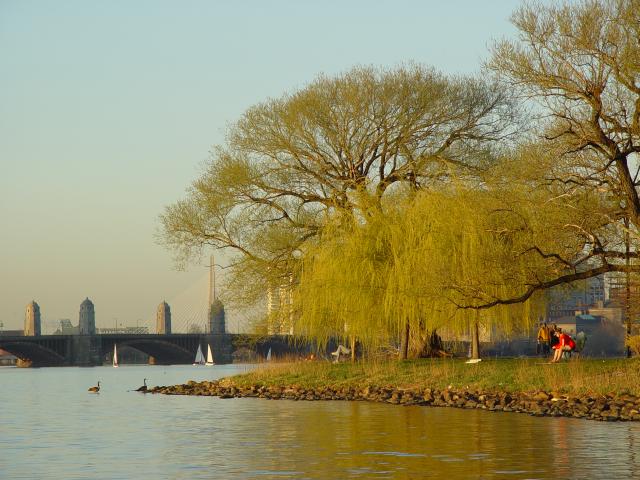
x: 290, y: 163
x: 580, y: 64
x: 393, y: 199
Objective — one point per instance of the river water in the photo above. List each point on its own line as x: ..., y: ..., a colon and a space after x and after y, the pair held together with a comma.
x: 52, y: 428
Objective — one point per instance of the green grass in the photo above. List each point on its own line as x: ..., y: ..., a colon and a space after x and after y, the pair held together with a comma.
x: 581, y: 376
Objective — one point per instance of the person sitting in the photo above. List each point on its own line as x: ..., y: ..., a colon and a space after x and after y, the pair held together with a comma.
x: 342, y: 350
x: 565, y: 344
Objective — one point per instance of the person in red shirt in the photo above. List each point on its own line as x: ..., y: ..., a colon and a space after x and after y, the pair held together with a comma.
x: 565, y: 344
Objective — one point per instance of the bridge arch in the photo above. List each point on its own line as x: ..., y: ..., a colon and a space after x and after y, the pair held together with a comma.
x: 162, y: 350
x: 36, y: 353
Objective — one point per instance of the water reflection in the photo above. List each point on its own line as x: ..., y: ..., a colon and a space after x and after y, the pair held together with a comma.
x: 51, y: 428
x: 315, y: 440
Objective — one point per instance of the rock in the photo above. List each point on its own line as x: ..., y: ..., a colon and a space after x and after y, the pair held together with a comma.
x: 610, y: 407
x: 427, y: 397
x: 541, y: 396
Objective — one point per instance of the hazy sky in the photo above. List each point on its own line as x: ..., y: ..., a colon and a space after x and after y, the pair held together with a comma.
x: 108, y: 110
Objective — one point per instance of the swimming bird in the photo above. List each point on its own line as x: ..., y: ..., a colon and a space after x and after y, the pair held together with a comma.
x: 95, y: 389
x: 143, y: 388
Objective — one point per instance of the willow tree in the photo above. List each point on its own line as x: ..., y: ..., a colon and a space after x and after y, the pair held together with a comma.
x: 291, y: 163
x: 432, y: 260
x: 580, y: 63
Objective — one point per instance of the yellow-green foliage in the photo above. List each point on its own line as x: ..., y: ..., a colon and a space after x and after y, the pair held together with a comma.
x: 431, y: 258
x: 633, y: 342
x: 424, y: 259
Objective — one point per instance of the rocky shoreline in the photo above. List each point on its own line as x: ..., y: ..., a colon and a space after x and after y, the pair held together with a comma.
x: 544, y: 404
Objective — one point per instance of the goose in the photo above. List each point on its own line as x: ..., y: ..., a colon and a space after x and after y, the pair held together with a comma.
x: 143, y: 388
x: 95, y: 389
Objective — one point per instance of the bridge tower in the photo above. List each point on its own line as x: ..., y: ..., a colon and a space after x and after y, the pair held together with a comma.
x: 163, y: 318
x: 216, y: 313
x: 32, y: 321
x: 217, y: 317
x: 87, y: 323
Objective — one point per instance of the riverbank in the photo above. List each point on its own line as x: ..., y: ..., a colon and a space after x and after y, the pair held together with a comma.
x: 592, y: 389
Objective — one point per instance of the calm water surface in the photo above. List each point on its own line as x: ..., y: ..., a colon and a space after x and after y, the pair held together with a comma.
x: 51, y: 428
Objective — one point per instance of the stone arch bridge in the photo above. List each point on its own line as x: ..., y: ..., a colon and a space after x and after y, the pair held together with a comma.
x: 168, y: 349
x: 86, y: 350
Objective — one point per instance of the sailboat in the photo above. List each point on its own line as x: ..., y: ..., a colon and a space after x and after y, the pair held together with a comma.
x: 199, y: 357
x: 115, y: 356
x: 209, y: 356
x: 269, y: 355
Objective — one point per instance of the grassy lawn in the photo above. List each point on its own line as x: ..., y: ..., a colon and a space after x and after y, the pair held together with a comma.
x: 578, y: 376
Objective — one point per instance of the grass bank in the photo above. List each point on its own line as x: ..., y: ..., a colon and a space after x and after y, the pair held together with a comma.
x: 576, y: 377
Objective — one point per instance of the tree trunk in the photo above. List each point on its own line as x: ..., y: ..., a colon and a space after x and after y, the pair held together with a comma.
x: 353, y: 348
x: 627, y: 301
x: 404, y: 347
x: 475, y: 340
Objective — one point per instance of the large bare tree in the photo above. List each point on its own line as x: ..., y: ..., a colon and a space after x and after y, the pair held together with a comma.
x: 579, y: 63
x: 290, y: 162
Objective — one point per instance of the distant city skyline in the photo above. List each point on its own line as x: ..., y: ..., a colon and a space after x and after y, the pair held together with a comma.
x: 109, y: 109
x: 197, y: 316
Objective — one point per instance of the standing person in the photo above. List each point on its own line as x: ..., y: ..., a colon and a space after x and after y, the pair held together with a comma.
x: 543, y: 340
x: 565, y: 344
x: 546, y: 348
x: 553, y: 338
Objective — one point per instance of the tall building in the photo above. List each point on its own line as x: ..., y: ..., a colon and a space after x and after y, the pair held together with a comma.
x: 163, y: 318
x: 87, y: 323
x: 217, y: 317
x: 576, y: 298
x: 596, y: 290
x: 280, y: 308
x: 32, y: 319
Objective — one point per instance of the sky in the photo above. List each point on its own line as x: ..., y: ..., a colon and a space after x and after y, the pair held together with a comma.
x: 108, y: 111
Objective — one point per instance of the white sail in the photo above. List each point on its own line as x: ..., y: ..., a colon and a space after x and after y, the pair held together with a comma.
x: 115, y: 356
x: 269, y: 355
x: 209, y: 356
x: 199, y: 357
